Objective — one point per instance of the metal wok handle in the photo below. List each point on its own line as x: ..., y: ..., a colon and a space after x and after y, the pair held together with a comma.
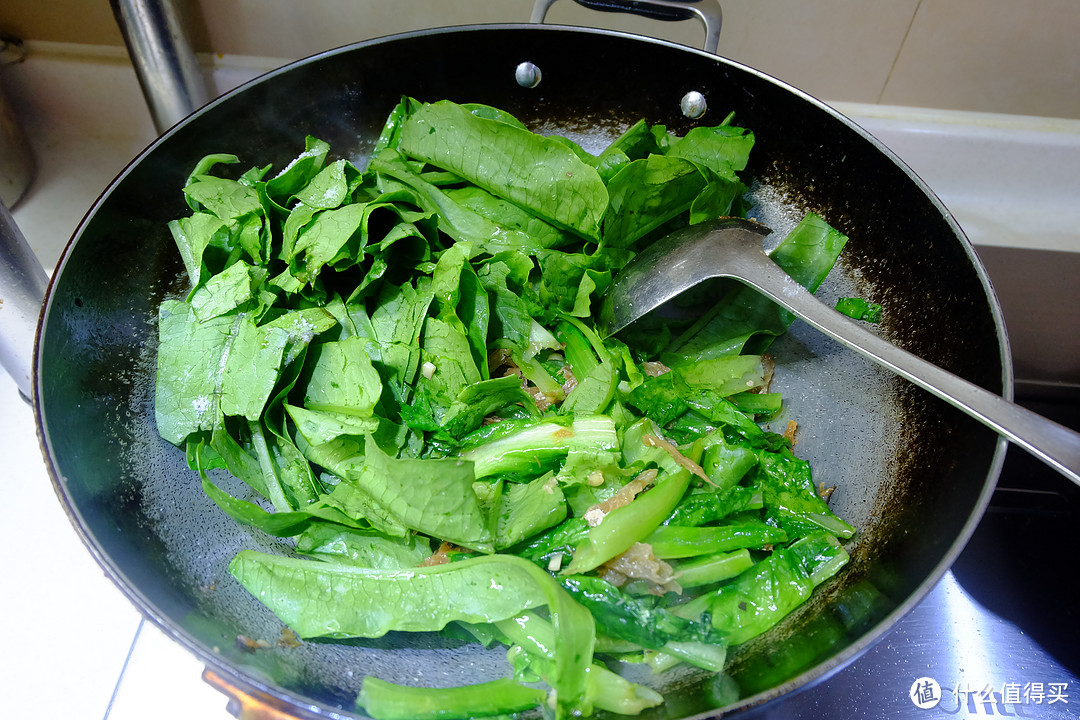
x: 707, y: 11
x: 22, y: 291
x: 1054, y: 444
x: 245, y: 703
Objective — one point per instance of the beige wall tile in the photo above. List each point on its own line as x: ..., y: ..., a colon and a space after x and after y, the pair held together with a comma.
x: 987, y: 55
x: 833, y: 49
x: 295, y: 28
x: 1005, y: 57
x: 70, y: 21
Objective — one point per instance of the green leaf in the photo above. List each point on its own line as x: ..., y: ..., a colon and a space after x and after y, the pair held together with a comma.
x: 624, y: 616
x: 387, y: 701
x: 199, y: 238
x: 369, y: 549
x: 631, y: 523
x: 859, y: 309
x: 646, y: 194
x: 191, y: 363
x: 320, y: 427
x: 709, y: 569
x: 760, y: 597
x: 536, y: 173
x: 330, y: 187
x: 568, y: 282
x: 299, y: 172
x: 479, y: 400
x: 820, y: 554
x: 203, y: 167
x: 432, y: 496
x: 723, y: 149
x: 708, y: 505
x: 792, y: 501
x: 320, y: 599
x: 534, y: 640
x: 458, y: 221
x: 508, y: 215
x: 323, y: 239
x: 526, y: 509
x: 234, y: 287
x: 536, y: 446
x: 340, y: 378
x: 253, y: 366
x: 227, y: 199
x: 462, y: 301
x: 674, y: 541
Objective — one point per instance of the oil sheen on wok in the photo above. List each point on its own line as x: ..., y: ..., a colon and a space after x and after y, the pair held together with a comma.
x: 400, y: 362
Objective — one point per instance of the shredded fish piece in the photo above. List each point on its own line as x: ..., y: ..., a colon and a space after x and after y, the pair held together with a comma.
x: 640, y: 563
x: 695, y: 469
x: 825, y: 492
x: 789, y: 433
x: 596, y: 513
x: 768, y: 366
x: 593, y: 516
x: 542, y: 399
x: 655, y: 369
x: 249, y: 645
x: 440, y: 556
x: 569, y: 381
x: 288, y: 639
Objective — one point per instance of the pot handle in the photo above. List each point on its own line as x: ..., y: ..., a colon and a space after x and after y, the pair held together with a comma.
x: 22, y: 291
x: 707, y: 11
x: 245, y: 704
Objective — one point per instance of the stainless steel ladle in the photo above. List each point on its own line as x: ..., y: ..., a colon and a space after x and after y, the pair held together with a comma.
x: 732, y: 248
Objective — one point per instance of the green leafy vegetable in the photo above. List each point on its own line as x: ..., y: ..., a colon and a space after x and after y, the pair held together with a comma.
x: 400, y: 364
x: 859, y: 309
x: 387, y: 701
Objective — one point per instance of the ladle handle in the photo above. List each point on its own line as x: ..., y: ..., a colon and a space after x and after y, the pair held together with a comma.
x: 1051, y: 442
x: 22, y: 290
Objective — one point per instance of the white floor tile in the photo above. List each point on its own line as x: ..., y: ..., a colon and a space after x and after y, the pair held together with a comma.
x: 67, y: 628
x: 164, y: 681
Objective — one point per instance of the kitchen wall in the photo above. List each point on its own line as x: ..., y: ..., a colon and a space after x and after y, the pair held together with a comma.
x: 1002, y: 56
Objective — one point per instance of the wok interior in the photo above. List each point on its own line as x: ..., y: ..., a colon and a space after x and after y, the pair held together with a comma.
x: 912, y: 473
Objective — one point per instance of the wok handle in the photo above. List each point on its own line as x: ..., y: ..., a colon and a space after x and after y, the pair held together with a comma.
x: 246, y: 704
x: 22, y: 291
x: 1051, y: 442
x: 706, y: 11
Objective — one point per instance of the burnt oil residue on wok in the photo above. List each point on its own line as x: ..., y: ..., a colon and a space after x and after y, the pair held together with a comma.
x: 915, y: 489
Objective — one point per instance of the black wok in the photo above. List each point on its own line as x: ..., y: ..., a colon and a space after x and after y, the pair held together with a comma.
x: 914, y: 474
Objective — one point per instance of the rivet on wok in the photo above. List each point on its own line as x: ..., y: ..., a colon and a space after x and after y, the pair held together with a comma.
x: 693, y: 105
x: 527, y: 75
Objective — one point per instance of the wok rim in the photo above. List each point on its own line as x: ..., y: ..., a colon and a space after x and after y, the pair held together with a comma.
x: 811, y: 677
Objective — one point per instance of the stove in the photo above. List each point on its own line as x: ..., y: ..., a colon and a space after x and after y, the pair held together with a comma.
x: 999, y: 636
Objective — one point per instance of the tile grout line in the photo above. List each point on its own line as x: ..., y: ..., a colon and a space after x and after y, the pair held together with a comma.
x: 899, y: 50
x: 123, y: 668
